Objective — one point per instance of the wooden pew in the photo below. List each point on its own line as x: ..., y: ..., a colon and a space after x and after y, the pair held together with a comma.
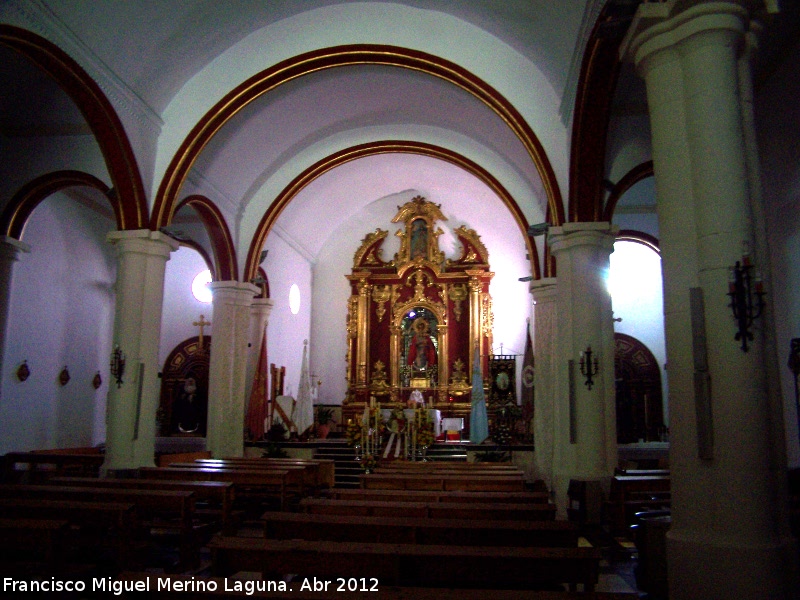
x: 326, y: 467
x: 109, y: 523
x: 247, y: 483
x: 409, y: 564
x: 453, y: 496
x: 429, y: 510
x: 38, y: 540
x: 310, y: 470
x: 164, y: 460
x: 442, y: 482
x: 446, y: 466
x: 453, y: 471
x: 405, y: 530
x: 381, y: 592
x: 627, y: 488
x: 219, y: 494
x: 164, y: 508
x: 37, y: 466
x: 476, y: 497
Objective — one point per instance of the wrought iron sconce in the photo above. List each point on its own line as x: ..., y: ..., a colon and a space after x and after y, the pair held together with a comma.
x: 63, y: 376
x: 23, y: 372
x: 589, y: 368
x: 742, y: 287
x: 118, y: 365
x: 794, y: 367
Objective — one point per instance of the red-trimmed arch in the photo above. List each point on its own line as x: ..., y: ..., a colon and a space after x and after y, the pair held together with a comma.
x: 639, y: 237
x: 225, y: 265
x: 361, y: 151
x: 19, y: 209
x: 341, y: 56
x: 130, y: 202
x: 631, y: 178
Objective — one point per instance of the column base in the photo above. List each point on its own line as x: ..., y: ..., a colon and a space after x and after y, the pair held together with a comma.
x: 704, y: 570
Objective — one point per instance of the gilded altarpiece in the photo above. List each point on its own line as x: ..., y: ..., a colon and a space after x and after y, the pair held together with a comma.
x: 415, y: 322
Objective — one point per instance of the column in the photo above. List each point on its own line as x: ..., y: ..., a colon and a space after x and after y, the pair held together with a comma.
x: 142, y: 256
x: 259, y: 317
x: 729, y: 533
x: 585, y: 439
x: 9, y: 254
x: 228, y: 369
x: 544, y: 356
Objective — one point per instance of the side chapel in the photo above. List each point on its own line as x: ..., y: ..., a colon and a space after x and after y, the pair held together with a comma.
x: 415, y: 322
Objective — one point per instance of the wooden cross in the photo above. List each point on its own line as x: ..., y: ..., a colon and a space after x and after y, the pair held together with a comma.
x: 201, y: 324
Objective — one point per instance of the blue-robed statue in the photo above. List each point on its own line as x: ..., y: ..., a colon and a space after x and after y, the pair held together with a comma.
x: 478, y: 420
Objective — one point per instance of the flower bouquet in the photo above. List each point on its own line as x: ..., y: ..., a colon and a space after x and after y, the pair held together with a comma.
x: 369, y: 463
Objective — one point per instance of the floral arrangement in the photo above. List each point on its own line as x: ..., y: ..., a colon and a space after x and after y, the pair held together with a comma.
x: 353, y: 434
x: 425, y: 437
x: 369, y: 462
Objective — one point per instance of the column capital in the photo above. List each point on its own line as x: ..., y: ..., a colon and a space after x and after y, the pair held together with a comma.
x: 10, y: 248
x: 659, y: 26
x: 543, y: 289
x: 571, y: 235
x: 143, y: 241
x: 234, y: 289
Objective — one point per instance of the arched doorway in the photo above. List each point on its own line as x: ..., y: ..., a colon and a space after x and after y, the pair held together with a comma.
x: 640, y: 415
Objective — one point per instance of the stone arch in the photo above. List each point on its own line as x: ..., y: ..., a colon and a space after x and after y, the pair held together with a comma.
x: 224, y: 258
x: 361, y: 151
x: 341, y: 56
x: 130, y: 204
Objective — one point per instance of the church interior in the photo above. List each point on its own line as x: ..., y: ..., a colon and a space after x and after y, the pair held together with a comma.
x: 565, y: 234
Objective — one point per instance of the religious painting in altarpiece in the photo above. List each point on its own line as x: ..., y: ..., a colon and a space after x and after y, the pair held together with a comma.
x: 183, y: 407
x: 415, y: 321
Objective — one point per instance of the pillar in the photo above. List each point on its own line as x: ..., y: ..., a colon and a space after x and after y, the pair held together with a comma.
x: 10, y: 249
x: 729, y: 533
x: 585, y: 428
x: 544, y: 350
x: 228, y: 369
x: 131, y: 412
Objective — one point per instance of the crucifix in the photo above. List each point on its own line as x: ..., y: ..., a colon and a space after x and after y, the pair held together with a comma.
x: 201, y: 324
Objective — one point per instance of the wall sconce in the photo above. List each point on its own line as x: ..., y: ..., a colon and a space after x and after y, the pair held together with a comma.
x: 742, y: 286
x: 588, y: 368
x: 97, y: 381
x: 118, y: 365
x: 794, y: 367
x: 63, y: 377
x: 23, y: 372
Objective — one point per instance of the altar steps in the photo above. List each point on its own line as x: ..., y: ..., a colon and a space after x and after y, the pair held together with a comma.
x: 348, y: 469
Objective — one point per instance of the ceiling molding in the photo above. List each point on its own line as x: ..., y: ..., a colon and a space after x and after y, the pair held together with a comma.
x: 203, y: 184
x: 590, y: 16
x: 297, y: 246
x: 36, y: 17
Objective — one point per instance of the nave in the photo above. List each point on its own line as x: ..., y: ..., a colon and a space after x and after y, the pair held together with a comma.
x: 413, y: 529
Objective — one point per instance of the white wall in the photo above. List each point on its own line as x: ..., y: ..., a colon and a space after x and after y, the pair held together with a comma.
x: 637, y: 298
x: 284, y: 266
x: 181, y: 308
x: 778, y: 128
x: 61, y: 314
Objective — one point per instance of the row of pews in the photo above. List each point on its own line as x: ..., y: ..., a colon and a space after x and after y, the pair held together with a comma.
x: 423, y: 527
x: 56, y: 506
x: 414, y: 528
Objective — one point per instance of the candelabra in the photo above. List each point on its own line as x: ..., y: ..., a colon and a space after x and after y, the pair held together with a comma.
x: 588, y: 368
x: 747, y: 298
x: 118, y: 365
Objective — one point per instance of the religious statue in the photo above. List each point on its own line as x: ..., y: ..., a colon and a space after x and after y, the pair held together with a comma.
x: 189, y: 409
x: 421, y: 352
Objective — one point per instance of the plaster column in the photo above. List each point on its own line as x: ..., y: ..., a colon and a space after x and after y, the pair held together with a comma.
x: 585, y: 436
x: 10, y: 249
x: 228, y: 369
x: 142, y: 256
x: 729, y: 534
x: 259, y: 317
x: 544, y: 355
